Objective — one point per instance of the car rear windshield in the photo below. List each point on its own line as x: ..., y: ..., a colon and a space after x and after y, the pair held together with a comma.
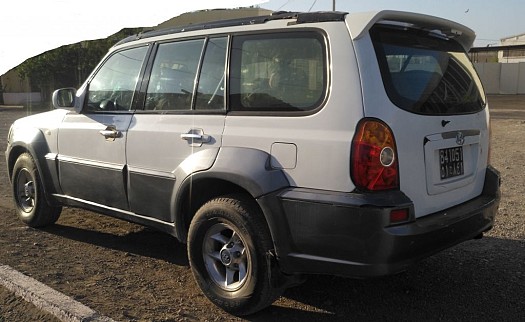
x: 425, y: 72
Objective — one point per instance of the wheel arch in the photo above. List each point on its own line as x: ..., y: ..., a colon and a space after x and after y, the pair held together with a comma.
x: 38, y: 148
x: 236, y: 170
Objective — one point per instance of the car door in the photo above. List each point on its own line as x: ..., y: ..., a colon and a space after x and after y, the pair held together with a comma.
x: 91, y: 144
x: 180, y: 129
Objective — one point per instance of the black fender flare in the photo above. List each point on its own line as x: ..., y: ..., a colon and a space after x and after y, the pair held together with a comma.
x: 248, y: 168
x: 244, y: 167
x: 32, y: 141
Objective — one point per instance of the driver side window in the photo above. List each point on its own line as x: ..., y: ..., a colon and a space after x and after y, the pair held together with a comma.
x: 113, y: 86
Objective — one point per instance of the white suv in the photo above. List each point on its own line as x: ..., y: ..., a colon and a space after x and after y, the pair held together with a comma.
x: 332, y: 143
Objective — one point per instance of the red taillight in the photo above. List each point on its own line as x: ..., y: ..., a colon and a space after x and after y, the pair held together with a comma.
x: 374, y: 157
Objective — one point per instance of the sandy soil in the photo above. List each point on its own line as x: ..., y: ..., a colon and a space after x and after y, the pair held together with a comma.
x: 134, y: 274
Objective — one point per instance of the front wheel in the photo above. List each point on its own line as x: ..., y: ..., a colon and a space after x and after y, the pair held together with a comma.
x: 228, y: 248
x: 28, y: 193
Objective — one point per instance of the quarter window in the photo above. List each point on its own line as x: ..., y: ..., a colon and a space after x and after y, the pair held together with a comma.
x: 278, y: 72
x: 210, y: 91
x: 113, y: 86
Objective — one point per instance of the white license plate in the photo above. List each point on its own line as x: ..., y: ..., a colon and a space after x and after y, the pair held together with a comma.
x: 451, y: 162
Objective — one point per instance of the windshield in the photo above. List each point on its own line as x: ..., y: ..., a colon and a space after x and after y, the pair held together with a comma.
x: 426, y: 73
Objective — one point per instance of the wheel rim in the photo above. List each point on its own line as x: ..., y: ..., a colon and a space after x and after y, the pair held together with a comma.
x: 226, y: 257
x: 25, y: 191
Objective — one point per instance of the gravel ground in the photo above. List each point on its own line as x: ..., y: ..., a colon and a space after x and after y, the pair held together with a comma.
x: 130, y: 273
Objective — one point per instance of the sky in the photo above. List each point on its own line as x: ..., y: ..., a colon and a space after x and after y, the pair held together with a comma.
x: 490, y: 19
x: 31, y: 27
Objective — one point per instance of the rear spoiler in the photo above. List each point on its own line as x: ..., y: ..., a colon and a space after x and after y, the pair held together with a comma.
x: 360, y: 23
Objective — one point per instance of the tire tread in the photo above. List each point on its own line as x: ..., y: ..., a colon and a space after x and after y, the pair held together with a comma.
x: 266, y: 293
x: 43, y: 213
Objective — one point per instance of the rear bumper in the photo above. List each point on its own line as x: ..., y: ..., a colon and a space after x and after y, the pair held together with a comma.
x: 349, y: 234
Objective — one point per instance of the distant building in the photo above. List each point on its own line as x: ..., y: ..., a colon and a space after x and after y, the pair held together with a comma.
x: 506, y: 75
x: 13, y: 83
x: 15, y: 90
x: 484, y: 55
x: 514, y: 51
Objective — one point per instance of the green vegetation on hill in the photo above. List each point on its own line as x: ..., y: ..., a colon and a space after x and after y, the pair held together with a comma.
x: 69, y: 65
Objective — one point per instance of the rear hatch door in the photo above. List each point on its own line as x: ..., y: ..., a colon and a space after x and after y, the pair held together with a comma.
x: 420, y: 81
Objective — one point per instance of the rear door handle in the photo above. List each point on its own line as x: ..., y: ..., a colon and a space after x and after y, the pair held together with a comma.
x: 195, y: 137
x: 191, y: 136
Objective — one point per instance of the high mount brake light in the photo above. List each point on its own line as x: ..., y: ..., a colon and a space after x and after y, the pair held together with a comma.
x: 374, y: 164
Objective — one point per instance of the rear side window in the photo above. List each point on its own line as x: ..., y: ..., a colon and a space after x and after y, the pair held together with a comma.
x: 173, y: 75
x: 426, y: 73
x: 278, y: 72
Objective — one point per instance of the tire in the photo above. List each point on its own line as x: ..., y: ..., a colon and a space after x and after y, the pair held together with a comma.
x: 30, y: 202
x: 229, y: 247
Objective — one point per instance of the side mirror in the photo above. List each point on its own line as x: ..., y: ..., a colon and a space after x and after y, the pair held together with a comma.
x: 64, y: 98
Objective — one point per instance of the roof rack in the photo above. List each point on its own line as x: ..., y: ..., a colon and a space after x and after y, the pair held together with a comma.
x: 301, y: 17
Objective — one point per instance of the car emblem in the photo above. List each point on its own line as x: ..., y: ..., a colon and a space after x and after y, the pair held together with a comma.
x: 226, y: 258
x: 460, y: 138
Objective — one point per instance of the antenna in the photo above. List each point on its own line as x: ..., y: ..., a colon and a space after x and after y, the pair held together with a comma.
x: 313, y: 4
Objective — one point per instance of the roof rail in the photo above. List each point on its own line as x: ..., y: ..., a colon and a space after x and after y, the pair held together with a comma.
x: 301, y: 17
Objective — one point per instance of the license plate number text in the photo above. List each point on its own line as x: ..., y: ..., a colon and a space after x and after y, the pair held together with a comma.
x: 451, y: 162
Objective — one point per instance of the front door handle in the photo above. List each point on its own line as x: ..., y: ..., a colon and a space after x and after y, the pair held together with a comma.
x: 196, y: 137
x: 110, y: 133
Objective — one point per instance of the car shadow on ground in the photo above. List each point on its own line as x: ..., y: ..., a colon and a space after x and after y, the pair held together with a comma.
x: 480, y: 280
x: 146, y: 242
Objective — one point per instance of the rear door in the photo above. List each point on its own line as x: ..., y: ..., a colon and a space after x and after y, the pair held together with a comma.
x: 180, y: 129
x: 91, y: 144
x: 431, y: 97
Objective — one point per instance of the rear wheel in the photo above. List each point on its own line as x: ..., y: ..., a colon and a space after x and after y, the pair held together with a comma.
x: 30, y: 203
x: 229, y: 251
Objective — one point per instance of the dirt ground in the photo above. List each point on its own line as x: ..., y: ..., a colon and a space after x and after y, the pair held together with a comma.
x: 11, y: 308
x: 130, y: 273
